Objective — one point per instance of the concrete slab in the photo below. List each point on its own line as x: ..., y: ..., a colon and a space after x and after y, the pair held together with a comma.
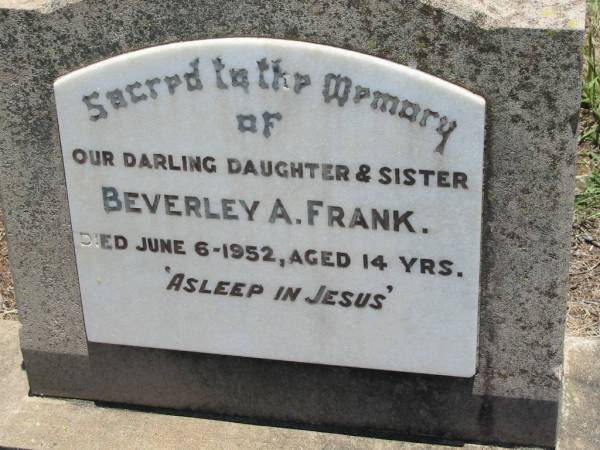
x: 578, y: 425
x: 37, y: 423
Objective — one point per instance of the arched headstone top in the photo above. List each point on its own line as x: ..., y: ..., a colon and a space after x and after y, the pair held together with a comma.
x: 276, y: 195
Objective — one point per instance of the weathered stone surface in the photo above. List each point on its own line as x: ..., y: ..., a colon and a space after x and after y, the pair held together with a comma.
x: 529, y: 76
x: 580, y: 403
x: 37, y: 422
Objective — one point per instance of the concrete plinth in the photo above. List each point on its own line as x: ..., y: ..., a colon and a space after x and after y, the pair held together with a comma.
x: 38, y: 422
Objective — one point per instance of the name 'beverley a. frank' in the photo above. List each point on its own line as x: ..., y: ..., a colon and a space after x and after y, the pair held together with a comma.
x: 316, y: 212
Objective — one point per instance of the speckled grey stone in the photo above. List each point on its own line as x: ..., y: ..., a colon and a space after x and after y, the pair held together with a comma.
x: 522, y: 57
x: 580, y: 407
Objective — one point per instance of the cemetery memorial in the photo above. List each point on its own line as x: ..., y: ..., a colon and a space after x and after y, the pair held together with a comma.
x: 350, y: 216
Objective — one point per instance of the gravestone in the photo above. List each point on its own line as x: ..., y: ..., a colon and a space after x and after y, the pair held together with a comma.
x: 343, y: 232
x: 190, y: 187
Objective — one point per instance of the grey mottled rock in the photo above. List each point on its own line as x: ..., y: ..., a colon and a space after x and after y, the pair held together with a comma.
x: 580, y: 408
x: 524, y: 59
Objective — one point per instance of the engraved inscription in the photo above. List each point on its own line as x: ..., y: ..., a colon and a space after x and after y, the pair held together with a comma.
x: 276, y: 199
x: 336, y: 88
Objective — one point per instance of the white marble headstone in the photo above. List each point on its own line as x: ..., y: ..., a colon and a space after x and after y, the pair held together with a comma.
x: 279, y: 200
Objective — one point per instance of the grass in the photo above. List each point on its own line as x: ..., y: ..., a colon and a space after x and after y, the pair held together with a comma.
x: 590, y: 89
x: 587, y: 198
x: 590, y: 95
x: 583, y: 317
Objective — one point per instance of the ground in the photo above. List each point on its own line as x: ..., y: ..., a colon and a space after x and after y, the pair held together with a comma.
x: 8, y: 307
x: 583, y: 317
